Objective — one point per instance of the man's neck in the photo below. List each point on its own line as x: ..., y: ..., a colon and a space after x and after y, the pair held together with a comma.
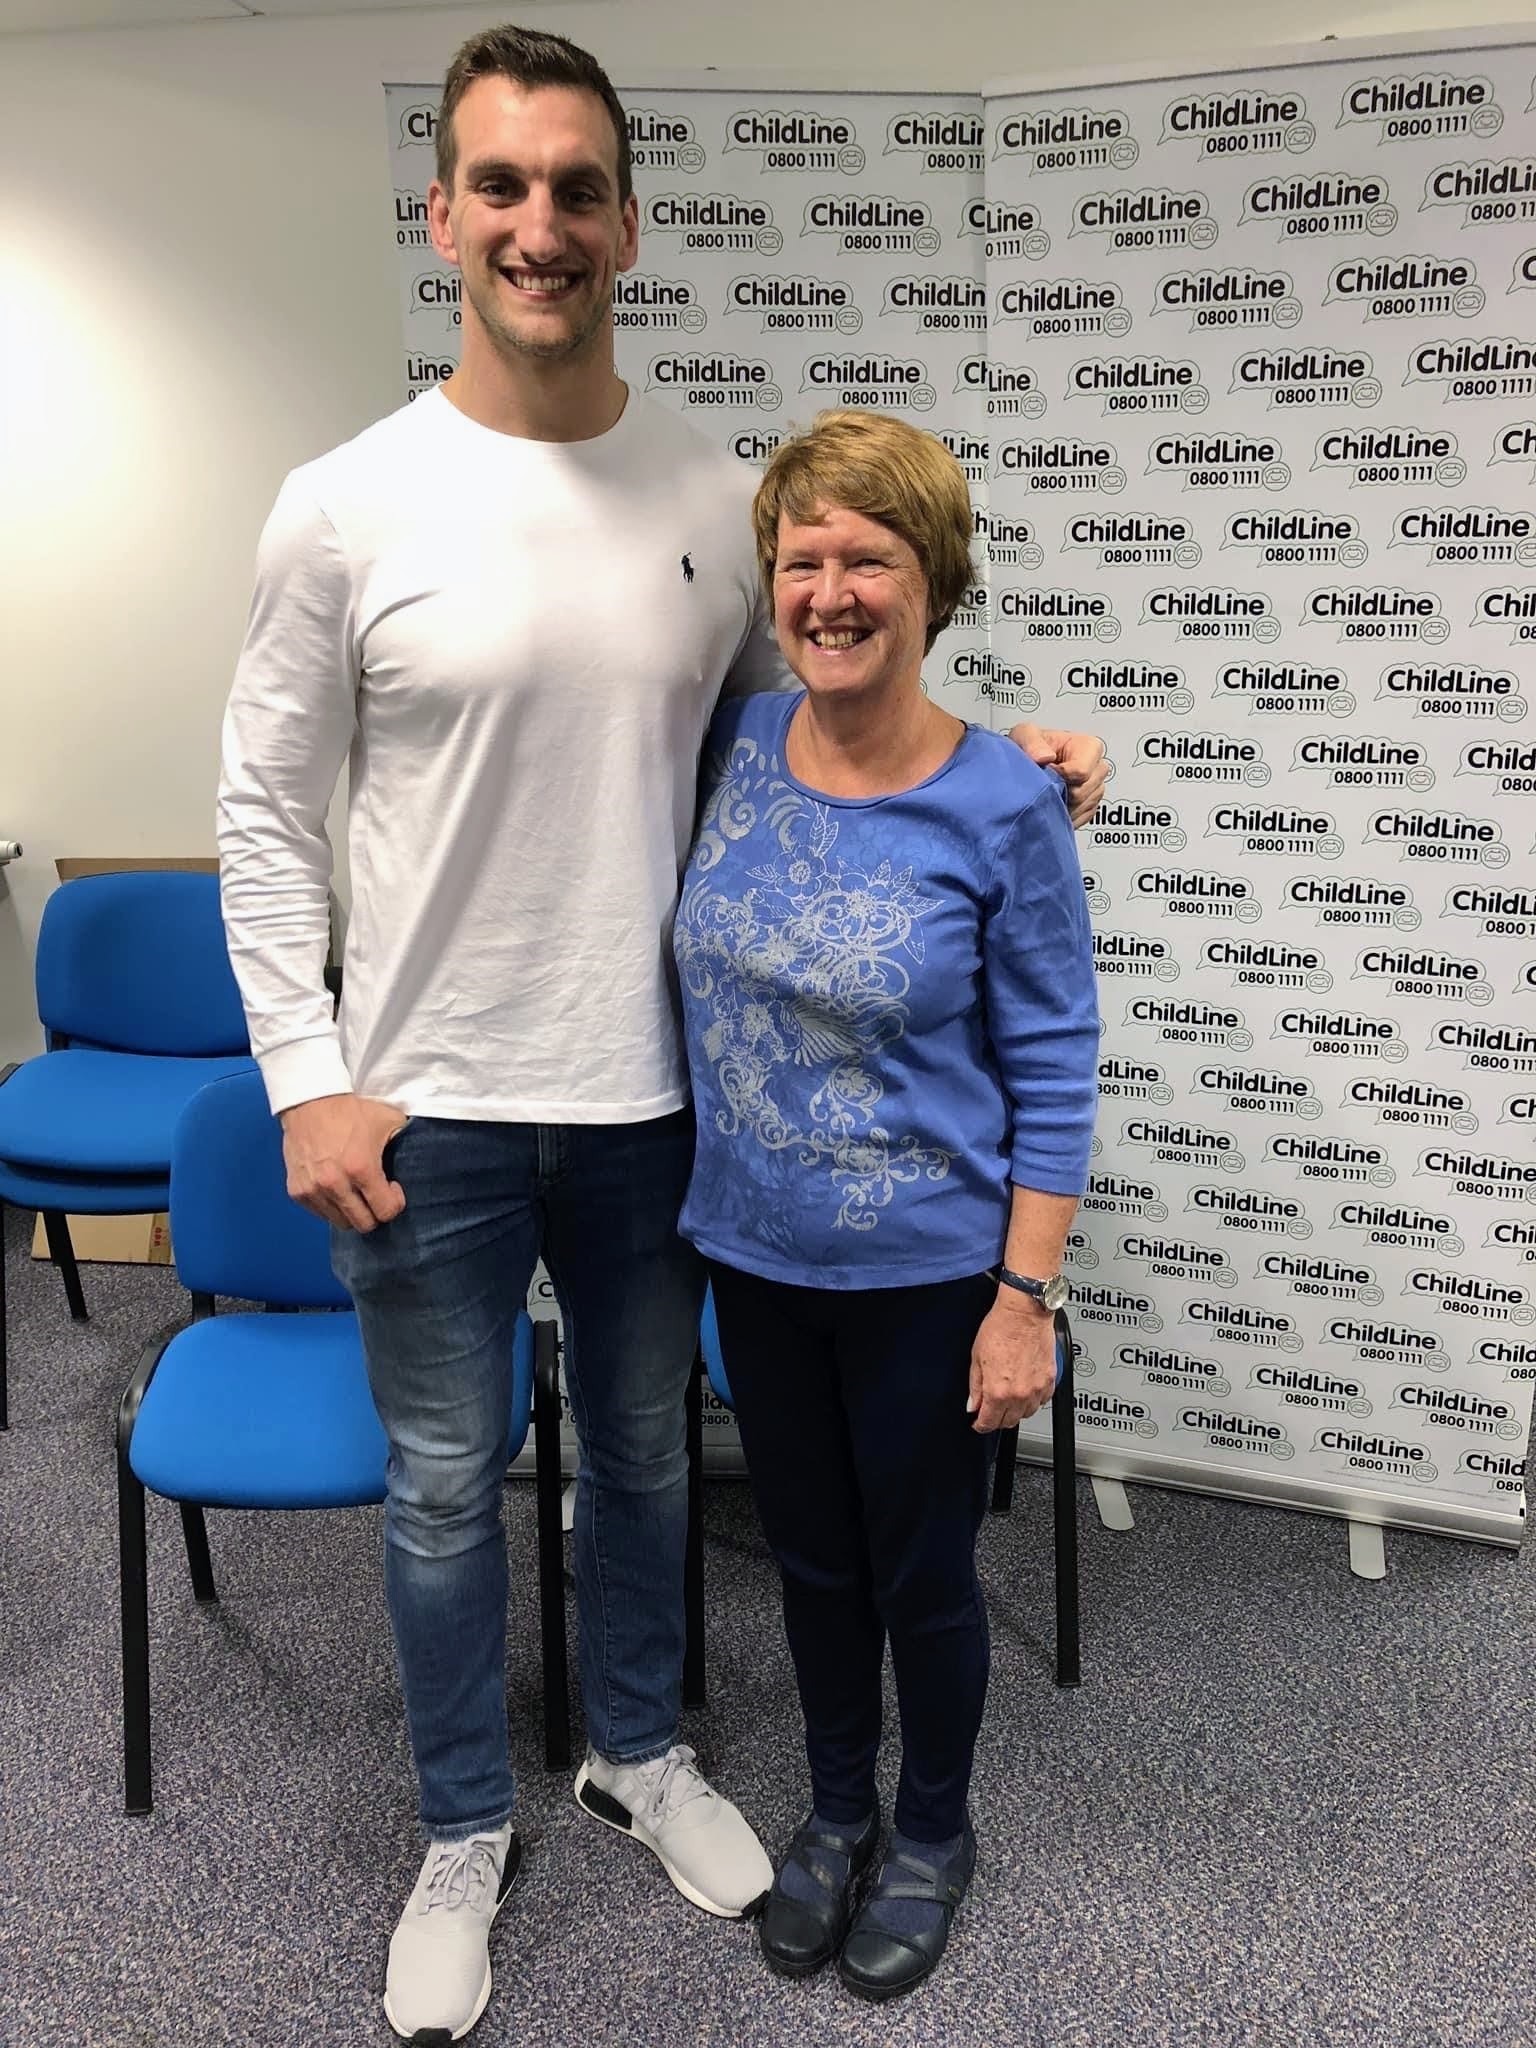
x: 574, y: 400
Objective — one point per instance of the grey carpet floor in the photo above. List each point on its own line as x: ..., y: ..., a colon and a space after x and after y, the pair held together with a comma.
x: 1288, y: 1809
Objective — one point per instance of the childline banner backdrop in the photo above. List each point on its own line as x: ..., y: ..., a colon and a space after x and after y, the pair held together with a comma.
x: 1285, y: 340
x: 1348, y: 1325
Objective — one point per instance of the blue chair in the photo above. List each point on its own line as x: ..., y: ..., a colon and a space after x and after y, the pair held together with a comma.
x: 1064, y: 1490
x: 140, y: 1010
x: 255, y: 1410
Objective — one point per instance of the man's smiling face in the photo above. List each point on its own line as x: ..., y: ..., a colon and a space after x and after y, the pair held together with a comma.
x: 534, y: 220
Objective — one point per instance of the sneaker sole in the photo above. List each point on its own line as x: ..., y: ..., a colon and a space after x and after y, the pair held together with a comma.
x: 615, y: 1814
x: 440, y: 2037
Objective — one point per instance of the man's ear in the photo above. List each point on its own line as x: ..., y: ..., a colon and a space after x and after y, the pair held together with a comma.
x: 439, y: 223
x: 629, y: 234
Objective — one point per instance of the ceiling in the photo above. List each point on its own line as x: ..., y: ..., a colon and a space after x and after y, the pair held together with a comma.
x: 30, y: 17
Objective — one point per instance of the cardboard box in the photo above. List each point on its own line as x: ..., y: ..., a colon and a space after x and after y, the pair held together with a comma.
x: 114, y: 1240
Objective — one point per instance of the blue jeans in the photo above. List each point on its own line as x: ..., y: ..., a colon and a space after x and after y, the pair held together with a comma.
x: 438, y: 1292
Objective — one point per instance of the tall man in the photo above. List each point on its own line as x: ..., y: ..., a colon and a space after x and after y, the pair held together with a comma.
x: 512, y: 606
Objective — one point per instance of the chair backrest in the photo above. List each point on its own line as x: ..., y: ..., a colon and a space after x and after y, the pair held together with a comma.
x: 233, y: 1228
x: 137, y: 963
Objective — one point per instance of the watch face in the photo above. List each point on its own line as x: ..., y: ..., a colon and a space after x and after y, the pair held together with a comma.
x: 1055, y: 1293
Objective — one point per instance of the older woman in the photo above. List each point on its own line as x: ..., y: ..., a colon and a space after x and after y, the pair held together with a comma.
x: 892, y: 1032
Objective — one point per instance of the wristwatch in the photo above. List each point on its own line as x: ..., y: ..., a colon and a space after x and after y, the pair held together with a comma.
x: 1051, y: 1294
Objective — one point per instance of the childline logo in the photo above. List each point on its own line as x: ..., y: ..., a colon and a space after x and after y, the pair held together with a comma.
x: 418, y: 125
x: 938, y: 305
x: 1134, y: 1081
x: 1453, y: 690
x: 798, y: 303
x: 1008, y: 231
x: 1296, y: 1386
x: 1410, y: 971
x: 1486, y: 192
x: 1152, y: 218
x: 1321, y: 203
x: 1498, y: 1474
x: 1523, y: 278
x: 870, y: 380
x: 1260, y: 963
x: 1061, y: 465
x: 1501, y: 367
x: 1060, y: 614
x: 993, y: 681
x: 1484, y: 1174
x: 1407, y: 287
x: 1354, y: 900
x: 1096, y: 896
x: 411, y: 230
x: 1246, y: 122
x: 1108, y: 1411
x: 1501, y: 1048
x: 437, y: 292
x: 1335, y: 1159
x: 874, y: 220
x: 1197, y: 892
x: 948, y: 141
x: 1420, y: 1103
x: 1011, y: 543
x: 1067, y: 139
x: 1175, y: 1369
x: 1276, y: 828
x: 1508, y: 607
x: 1472, y: 1295
x: 1190, y: 1023
x: 1113, y: 1194
x: 1178, y: 1258
x: 1134, y: 539
x: 1515, y: 443
x: 1439, y: 836
x: 1220, y: 462
x: 1179, y: 1142
x: 1096, y: 1304
x: 970, y: 451
x: 1300, y: 536
x: 793, y: 139
x: 1510, y: 762
x: 715, y: 380
x: 1379, y: 1342
x: 1514, y: 1235
x: 1204, y: 757
x: 1432, y: 103
x: 1210, y: 614
x: 1466, y: 533
x: 1236, y: 1322
x: 1126, y: 821
x: 663, y: 142
x: 1128, y: 686
x: 1140, y: 384
x: 1236, y: 297
x: 1228, y: 1429
x: 1307, y: 376
x: 1250, y: 1209
x: 1460, y: 1408
x: 714, y: 221
x: 1010, y: 389
x: 1064, y: 305
x: 1392, y: 455
x: 1377, y: 612
x: 422, y: 372
x: 658, y: 305
x: 1385, y: 1456
x: 1259, y: 1090
x: 1369, y: 762
x: 1277, y: 688
x: 1402, y: 1224
x: 1330, y: 1279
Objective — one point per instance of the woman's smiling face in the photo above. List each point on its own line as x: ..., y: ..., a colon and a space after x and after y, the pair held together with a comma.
x: 850, y: 604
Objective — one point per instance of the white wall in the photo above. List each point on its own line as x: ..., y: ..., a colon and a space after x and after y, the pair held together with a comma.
x: 197, y: 292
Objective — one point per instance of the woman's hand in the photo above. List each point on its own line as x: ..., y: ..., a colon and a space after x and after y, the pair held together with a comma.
x: 1013, y: 1364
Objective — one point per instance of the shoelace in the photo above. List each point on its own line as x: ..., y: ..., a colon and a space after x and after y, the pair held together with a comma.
x: 462, y: 1874
x: 676, y: 1784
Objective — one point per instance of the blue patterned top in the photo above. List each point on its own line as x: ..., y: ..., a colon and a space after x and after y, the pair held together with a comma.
x: 888, y: 1006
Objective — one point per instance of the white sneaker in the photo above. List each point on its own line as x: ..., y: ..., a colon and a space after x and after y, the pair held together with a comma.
x: 702, y: 1842
x: 439, y: 1975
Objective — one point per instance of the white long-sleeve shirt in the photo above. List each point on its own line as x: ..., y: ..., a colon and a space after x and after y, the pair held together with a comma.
x: 518, y: 646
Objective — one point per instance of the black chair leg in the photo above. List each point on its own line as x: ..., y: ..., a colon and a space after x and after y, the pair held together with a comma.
x: 694, y: 1684
x: 194, y: 1532
x: 1064, y: 1485
x: 546, y: 1452
x: 133, y: 1579
x: 1002, y: 1477
x: 62, y: 1252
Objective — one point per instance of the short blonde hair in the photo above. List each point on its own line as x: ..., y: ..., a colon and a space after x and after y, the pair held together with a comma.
x: 872, y: 464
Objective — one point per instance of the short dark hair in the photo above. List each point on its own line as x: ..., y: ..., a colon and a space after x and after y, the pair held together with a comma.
x: 530, y: 58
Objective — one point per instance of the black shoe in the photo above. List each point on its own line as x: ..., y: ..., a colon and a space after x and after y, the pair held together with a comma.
x: 798, y: 1936
x: 878, y: 1963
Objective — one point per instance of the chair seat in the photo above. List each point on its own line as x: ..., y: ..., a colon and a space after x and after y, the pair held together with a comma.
x: 77, y: 1112
x: 262, y: 1411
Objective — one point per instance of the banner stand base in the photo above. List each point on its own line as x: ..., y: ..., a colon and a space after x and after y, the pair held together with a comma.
x: 1112, y: 1502
x: 1367, y: 1550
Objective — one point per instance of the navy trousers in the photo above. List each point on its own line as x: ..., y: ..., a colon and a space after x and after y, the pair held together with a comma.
x: 870, y: 1484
